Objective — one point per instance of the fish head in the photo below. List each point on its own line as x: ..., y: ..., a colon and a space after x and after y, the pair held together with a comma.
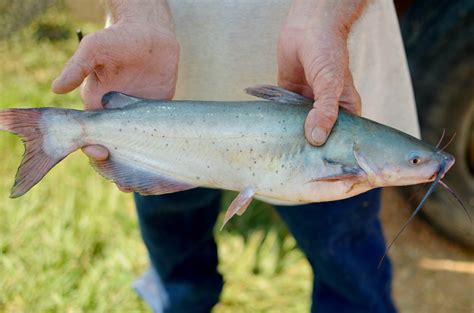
x: 399, y: 160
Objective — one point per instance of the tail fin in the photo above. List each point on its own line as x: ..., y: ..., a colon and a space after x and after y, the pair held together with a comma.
x: 29, y: 125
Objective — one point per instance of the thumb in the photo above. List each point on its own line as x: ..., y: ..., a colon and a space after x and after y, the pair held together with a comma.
x: 79, y: 66
x: 321, y: 119
x: 96, y: 152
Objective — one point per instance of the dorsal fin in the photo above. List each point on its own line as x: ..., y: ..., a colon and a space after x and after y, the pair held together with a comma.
x: 274, y: 93
x: 117, y: 100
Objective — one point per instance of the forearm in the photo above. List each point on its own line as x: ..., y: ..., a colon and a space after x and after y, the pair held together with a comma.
x: 334, y: 14
x: 148, y: 11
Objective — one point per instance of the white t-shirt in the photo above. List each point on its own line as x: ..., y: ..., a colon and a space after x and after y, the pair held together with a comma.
x: 228, y: 45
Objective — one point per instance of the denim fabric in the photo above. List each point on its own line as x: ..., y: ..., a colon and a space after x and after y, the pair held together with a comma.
x: 178, y: 232
x: 342, y: 240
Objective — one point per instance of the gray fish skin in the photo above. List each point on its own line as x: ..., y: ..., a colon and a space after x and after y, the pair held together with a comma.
x: 257, y: 146
x: 229, y: 145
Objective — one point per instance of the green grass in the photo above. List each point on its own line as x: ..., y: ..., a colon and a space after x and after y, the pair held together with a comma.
x: 72, y: 243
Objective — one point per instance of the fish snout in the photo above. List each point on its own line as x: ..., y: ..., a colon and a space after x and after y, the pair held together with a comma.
x: 448, y: 161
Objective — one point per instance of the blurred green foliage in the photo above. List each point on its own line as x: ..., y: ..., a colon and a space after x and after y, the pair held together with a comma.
x: 73, y: 244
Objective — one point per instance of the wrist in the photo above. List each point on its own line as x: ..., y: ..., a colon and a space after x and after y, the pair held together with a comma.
x: 330, y: 15
x: 150, y: 12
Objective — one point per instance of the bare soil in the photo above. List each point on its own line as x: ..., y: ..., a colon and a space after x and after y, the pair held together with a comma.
x: 431, y: 272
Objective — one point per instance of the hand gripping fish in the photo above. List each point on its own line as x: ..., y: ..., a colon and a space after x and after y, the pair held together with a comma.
x: 255, y: 147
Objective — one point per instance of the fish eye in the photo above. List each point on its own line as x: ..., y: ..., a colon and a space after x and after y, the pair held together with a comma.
x: 414, y: 159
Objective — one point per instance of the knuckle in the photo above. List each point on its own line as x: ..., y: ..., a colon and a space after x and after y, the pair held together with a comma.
x: 90, y: 41
x: 327, y: 112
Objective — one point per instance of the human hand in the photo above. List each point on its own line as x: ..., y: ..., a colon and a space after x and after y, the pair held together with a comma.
x: 313, y: 60
x: 137, y: 55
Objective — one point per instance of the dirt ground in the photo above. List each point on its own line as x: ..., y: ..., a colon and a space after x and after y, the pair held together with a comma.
x: 432, y: 274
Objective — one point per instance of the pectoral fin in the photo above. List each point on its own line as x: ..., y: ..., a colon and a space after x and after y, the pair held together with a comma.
x: 239, y: 205
x: 340, y: 171
x: 342, y: 176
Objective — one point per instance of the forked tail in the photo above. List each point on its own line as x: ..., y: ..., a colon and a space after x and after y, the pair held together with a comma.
x: 47, y: 141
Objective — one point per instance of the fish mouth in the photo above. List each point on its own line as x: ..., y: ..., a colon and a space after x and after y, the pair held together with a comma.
x: 445, y: 165
x: 449, y: 161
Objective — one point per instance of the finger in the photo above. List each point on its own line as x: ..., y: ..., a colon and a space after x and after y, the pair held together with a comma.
x: 350, y: 98
x: 303, y: 90
x: 291, y: 75
x: 124, y: 189
x: 321, y: 119
x: 92, y: 92
x: 80, y: 65
x: 96, y: 152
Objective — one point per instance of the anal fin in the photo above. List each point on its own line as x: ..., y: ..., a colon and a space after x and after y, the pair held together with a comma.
x: 239, y: 205
x: 133, y: 177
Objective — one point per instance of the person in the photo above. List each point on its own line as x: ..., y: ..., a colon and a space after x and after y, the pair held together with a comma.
x: 223, y: 47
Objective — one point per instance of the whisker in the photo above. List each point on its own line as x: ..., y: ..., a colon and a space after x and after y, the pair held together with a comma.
x: 425, y: 197
x: 441, y: 139
x: 449, y: 142
x: 451, y: 191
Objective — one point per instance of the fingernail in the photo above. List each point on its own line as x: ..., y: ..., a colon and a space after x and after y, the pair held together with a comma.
x: 56, y: 84
x: 318, y: 135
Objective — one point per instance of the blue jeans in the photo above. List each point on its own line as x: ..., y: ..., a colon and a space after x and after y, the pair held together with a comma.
x: 342, y: 240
